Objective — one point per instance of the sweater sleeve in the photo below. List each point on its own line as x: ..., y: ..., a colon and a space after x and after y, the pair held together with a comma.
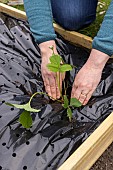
x: 39, y: 14
x: 104, y: 39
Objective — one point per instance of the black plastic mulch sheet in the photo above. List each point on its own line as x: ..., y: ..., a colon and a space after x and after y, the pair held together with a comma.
x: 51, y: 139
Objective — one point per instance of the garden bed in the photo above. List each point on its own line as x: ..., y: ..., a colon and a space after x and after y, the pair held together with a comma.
x: 95, y: 145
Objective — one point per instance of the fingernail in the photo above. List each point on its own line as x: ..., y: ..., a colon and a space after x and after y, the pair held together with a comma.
x: 58, y: 97
x: 84, y: 104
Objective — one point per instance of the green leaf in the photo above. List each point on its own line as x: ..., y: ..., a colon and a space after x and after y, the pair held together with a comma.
x: 66, y: 102
x: 25, y: 119
x: 75, y: 102
x: 52, y: 67
x: 65, y: 67
x: 69, y: 114
x: 26, y: 107
x: 55, y: 59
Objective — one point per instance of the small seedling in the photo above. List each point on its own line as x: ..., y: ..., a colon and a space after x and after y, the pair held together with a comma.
x: 58, y: 66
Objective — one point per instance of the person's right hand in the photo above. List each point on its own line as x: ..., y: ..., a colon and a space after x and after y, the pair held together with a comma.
x: 50, y: 82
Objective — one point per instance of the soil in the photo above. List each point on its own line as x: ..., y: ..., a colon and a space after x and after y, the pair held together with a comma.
x: 105, y: 162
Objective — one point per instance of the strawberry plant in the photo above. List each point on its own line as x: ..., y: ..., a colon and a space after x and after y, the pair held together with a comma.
x: 58, y: 66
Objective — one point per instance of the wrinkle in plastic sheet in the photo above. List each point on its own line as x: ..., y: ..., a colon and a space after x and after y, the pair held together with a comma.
x: 52, y: 138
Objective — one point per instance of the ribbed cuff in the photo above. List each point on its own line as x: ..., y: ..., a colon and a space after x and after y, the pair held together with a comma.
x: 41, y: 39
x: 100, y: 46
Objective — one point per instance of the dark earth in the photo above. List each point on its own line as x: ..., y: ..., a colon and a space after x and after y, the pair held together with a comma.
x: 105, y: 162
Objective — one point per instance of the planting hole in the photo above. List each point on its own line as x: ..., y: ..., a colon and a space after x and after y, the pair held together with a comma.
x: 12, y: 108
x: 25, y: 167
x: 0, y: 116
x: 27, y: 143
x: 3, y: 144
x: 0, y: 167
x: 37, y: 154
x: 61, y: 134
x: 82, y: 118
x: 110, y: 105
x: 20, y: 35
x: 18, y: 74
x: 3, y: 101
x: 14, y: 154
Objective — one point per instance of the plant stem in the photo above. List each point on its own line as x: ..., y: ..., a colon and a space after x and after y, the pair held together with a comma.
x: 58, y: 82
x: 70, y: 118
x: 64, y: 88
x: 60, y: 101
x: 36, y: 94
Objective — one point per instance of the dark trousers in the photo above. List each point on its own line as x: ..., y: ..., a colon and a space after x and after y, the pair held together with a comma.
x: 74, y: 14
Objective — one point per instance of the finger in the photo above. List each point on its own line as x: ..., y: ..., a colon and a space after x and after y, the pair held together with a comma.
x: 82, y: 98
x: 75, y: 92
x: 47, y: 86
x: 83, y: 95
x: 52, y: 83
x: 88, y: 97
x: 74, y: 88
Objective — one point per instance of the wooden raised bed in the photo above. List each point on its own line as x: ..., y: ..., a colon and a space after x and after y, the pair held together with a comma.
x: 93, y: 147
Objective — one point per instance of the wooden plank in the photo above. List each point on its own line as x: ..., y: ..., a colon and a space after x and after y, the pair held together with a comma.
x: 72, y: 36
x: 86, y: 155
x: 12, y: 11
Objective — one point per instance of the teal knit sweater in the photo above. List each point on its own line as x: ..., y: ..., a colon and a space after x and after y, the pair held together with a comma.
x: 39, y: 15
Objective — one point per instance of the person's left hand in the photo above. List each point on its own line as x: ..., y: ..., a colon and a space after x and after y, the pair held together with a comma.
x: 89, y: 76
x: 85, y: 83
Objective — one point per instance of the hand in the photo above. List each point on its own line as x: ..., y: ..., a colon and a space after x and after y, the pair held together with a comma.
x: 89, y: 76
x: 49, y: 77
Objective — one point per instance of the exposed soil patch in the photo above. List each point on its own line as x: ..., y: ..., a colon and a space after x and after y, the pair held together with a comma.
x: 105, y: 162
